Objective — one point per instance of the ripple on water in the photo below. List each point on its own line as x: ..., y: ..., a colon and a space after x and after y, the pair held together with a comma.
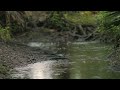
x: 78, y: 43
x: 39, y: 44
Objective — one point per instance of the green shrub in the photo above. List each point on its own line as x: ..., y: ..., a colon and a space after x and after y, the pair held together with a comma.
x: 109, y: 25
x: 58, y: 21
x: 5, y: 34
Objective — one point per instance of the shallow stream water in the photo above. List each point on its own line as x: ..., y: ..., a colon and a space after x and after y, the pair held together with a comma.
x: 87, y: 60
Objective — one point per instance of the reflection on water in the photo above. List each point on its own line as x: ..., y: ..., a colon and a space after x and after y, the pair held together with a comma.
x: 42, y: 70
x: 87, y: 61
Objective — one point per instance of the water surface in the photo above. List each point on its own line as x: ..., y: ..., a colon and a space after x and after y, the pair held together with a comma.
x: 87, y: 60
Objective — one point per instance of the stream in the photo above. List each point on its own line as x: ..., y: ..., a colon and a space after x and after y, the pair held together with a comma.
x: 87, y: 60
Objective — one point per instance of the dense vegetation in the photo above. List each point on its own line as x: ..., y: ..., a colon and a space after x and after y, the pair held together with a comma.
x: 79, y: 24
x: 107, y: 23
x: 109, y: 26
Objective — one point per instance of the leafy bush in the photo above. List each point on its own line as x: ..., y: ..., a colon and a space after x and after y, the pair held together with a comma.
x: 5, y: 34
x: 109, y: 25
x: 57, y: 21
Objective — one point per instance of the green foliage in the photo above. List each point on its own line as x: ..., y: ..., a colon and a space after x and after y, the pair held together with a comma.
x: 5, y: 34
x: 16, y: 28
x: 65, y: 20
x: 109, y: 25
x: 16, y: 20
x: 58, y: 21
x: 82, y: 17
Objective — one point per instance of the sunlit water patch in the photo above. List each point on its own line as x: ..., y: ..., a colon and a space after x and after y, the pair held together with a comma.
x: 39, y: 44
x: 41, y: 70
